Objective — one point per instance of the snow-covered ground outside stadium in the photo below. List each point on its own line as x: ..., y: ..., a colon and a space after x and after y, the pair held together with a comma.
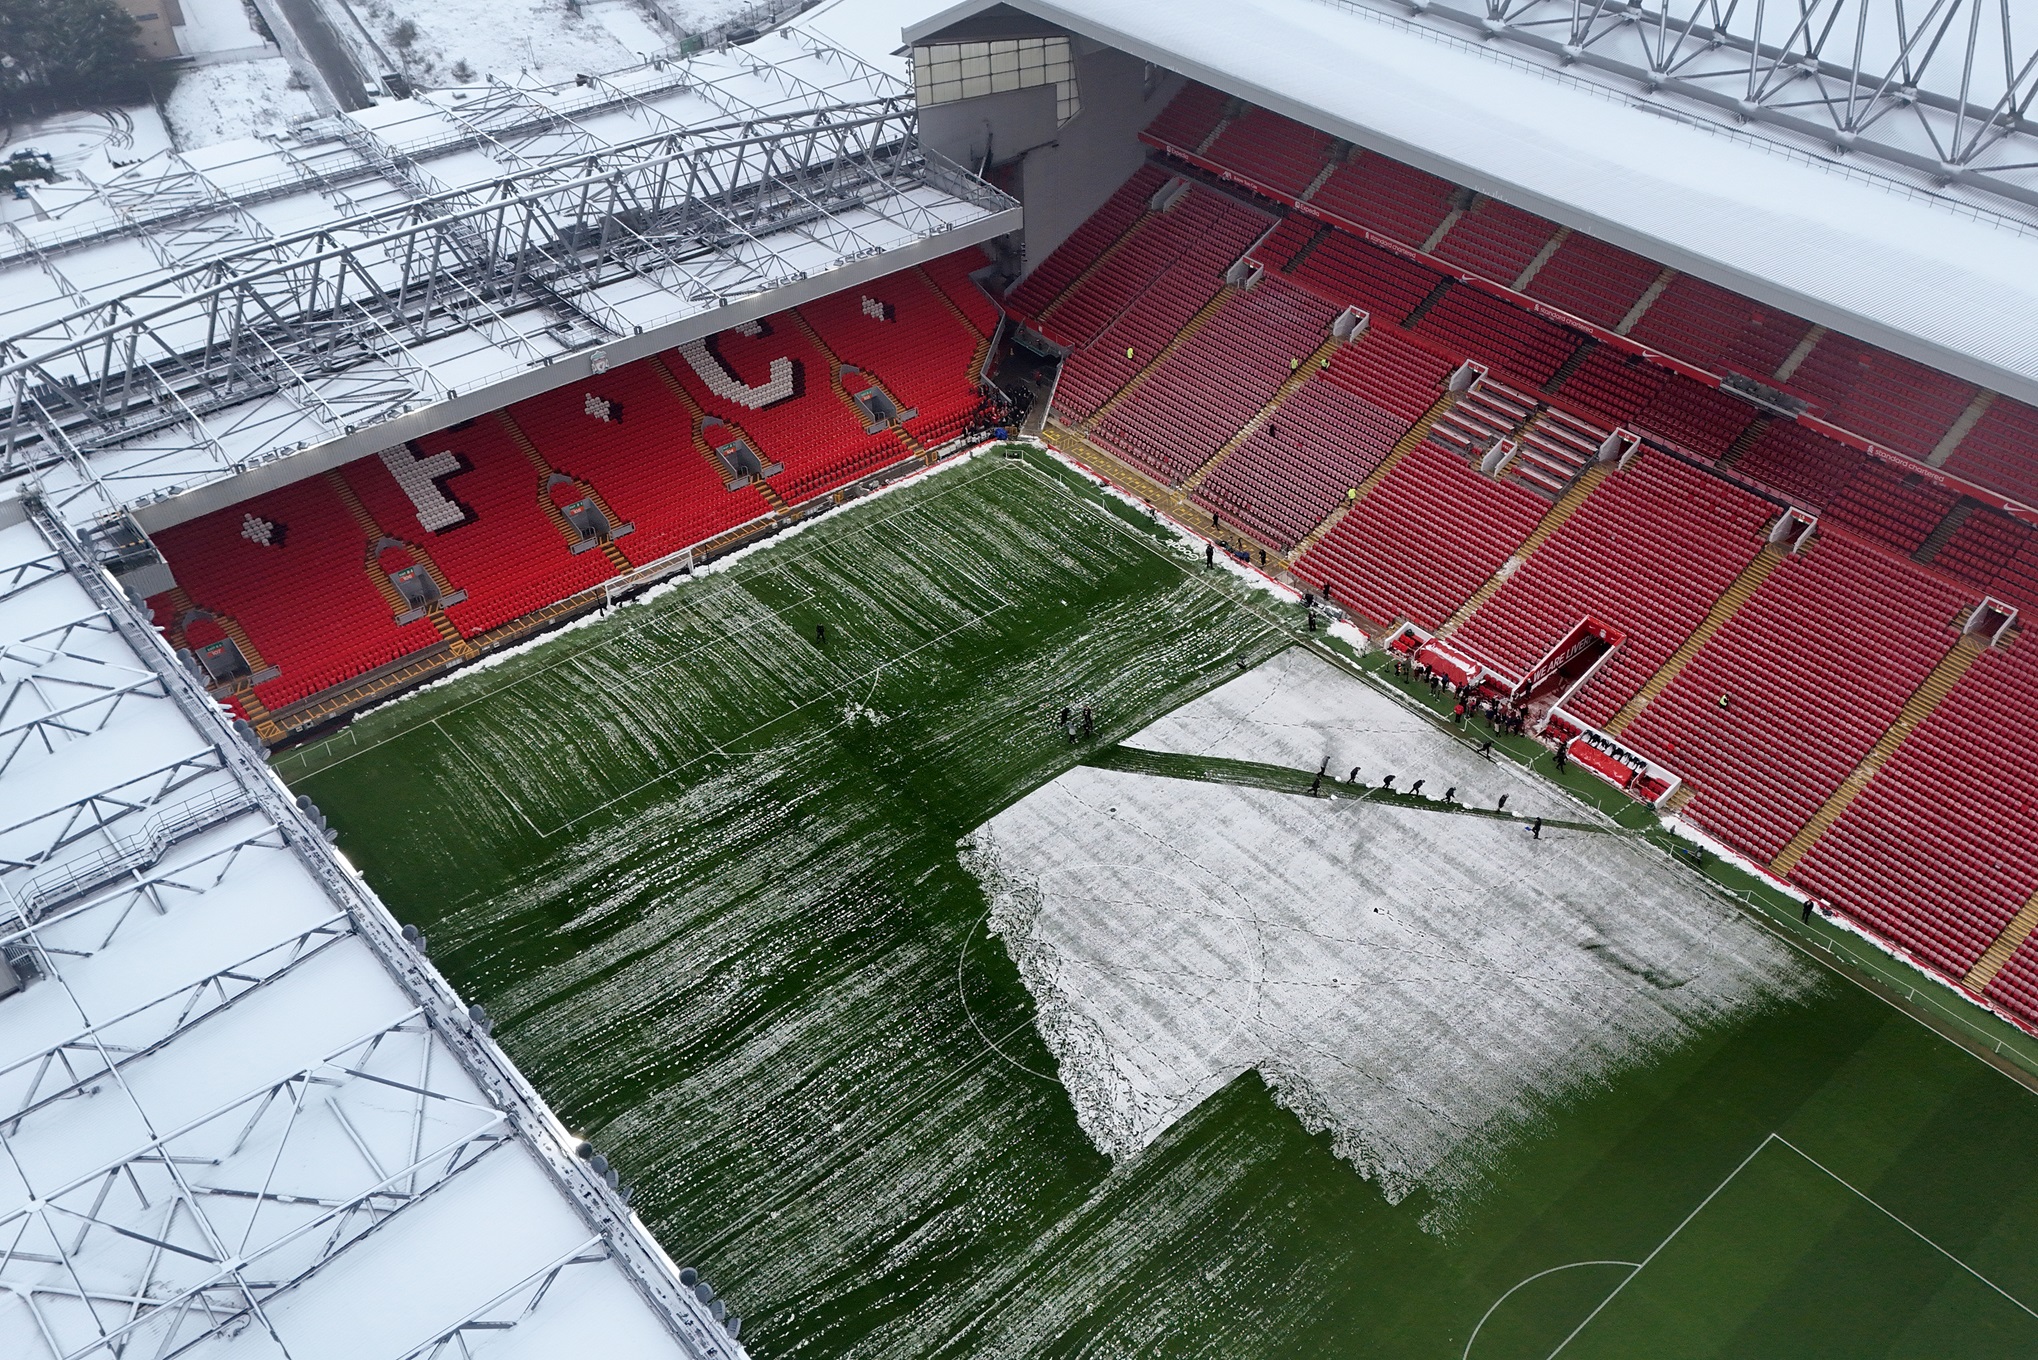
x: 212, y: 26
x: 89, y: 139
x: 241, y: 87
x: 1424, y: 986
x: 462, y: 42
x: 214, y: 104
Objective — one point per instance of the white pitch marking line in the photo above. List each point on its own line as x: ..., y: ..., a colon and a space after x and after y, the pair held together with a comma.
x: 962, y: 955
x: 1837, y: 1177
x: 1495, y: 1306
x: 1885, y: 1210
x: 488, y: 778
x: 1657, y: 1250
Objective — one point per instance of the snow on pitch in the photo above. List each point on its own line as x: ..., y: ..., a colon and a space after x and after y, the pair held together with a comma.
x: 1423, y: 985
x: 1299, y: 710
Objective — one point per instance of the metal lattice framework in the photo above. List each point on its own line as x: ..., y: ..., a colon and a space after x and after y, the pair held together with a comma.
x: 435, y: 250
x: 1939, y: 88
x: 226, y: 1189
x: 335, y: 315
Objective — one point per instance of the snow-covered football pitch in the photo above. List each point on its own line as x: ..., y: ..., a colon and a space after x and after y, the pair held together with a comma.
x: 1419, y: 982
x: 923, y: 1030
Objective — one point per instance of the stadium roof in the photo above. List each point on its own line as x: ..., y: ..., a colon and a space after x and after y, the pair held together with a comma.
x: 239, y: 1112
x: 868, y: 29
x: 185, y: 331
x: 1736, y: 184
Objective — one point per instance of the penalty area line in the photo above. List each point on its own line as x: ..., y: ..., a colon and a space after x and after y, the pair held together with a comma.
x: 1893, y: 1217
x: 1816, y: 1164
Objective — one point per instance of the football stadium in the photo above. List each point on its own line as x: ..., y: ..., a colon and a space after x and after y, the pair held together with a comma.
x: 1305, y: 677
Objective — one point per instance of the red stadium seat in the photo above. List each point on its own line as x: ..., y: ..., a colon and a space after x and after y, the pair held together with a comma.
x: 1423, y: 540
x: 1646, y: 554
x: 315, y: 601
x: 1814, y: 667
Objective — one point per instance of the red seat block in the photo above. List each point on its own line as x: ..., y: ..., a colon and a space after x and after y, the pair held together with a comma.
x: 1801, y: 463
x: 2001, y: 450
x: 308, y: 606
x: 647, y: 465
x: 1891, y: 506
x: 1941, y: 849
x: 507, y: 550
x: 1210, y: 385
x: 1383, y: 195
x: 1496, y: 240
x: 1046, y: 280
x: 1272, y: 151
x: 1423, y: 540
x: 1352, y: 272
x: 1189, y: 116
x: 1296, y: 468
x: 951, y: 274
x: 1706, y: 325
x: 1514, y: 343
x: 1593, y: 281
x: 1890, y: 399
x: 1693, y: 416
x: 1612, y: 386
x: 1647, y: 554
x: 1815, y: 667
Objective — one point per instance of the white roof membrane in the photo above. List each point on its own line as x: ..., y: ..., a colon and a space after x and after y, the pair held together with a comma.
x: 238, y: 1114
x: 636, y: 202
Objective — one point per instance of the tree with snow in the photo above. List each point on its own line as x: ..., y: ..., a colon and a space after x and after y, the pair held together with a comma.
x: 55, y: 53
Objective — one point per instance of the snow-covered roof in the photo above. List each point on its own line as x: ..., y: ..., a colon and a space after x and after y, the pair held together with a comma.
x: 870, y: 29
x: 1948, y: 277
x: 239, y: 1112
x: 288, y: 305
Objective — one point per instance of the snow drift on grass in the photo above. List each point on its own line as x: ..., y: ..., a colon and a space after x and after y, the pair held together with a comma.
x: 213, y: 104
x: 1425, y: 986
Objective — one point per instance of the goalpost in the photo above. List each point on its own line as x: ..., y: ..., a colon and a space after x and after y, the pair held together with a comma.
x: 672, y: 564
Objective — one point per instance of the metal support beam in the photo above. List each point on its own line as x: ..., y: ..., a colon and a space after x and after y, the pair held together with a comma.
x: 440, y: 1018
x: 689, y: 208
x: 1939, y: 92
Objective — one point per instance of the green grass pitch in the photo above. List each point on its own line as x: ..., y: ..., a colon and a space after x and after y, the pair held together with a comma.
x: 702, y: 869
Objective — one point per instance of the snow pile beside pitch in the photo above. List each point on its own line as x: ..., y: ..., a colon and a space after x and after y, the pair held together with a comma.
x: 1425, y: 986
x: 1298, y: 709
